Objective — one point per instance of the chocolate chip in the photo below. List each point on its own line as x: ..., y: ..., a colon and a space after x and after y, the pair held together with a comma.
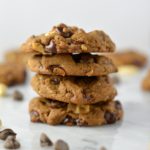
x: 65, y: 33
x: 110, y: 117
x: 56, y: 104
x: 69, y: 121
x: 34, y: 114
x: 55, y: 80
x: 118, y: 105
x: 80, y: 122
x: 45, y: 141
x: 11, y: 143
x: 61, y: 145
x: 17, y: 96
x: 103, y: 148
x: 86, y: 95
x: 5, y: 133
x: 51, y: 48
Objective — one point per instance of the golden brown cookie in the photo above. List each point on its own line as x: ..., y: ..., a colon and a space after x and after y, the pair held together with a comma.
x: 12, y: 74
x: 55, y: 113
x: 77, y: 90
x: 16, y: 56
x: 66, y: 39
x: 146, y: 82
x: 72, y: 65
x: 129, y: 57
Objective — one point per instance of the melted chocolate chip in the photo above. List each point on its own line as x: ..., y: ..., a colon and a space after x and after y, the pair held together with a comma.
x: 117, y: 105
x: 110, y: 117
x: 86, y: 95
x: 56, y: 104
x: 51, y: 48
x: 55, y: 80
x: 69, y: 121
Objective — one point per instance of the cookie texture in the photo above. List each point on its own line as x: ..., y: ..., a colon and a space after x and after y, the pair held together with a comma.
x: 72, y: 65
x: 129, y: 57
x: 55, y: 113
x: 146, y: 82
x: 12, y: 74
x: 66, y: 39
x: 77, y: 90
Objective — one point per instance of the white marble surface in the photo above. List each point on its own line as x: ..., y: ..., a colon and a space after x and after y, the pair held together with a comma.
x: 133, y: 133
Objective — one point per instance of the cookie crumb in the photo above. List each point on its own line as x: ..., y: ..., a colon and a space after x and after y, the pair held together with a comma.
x: 17, y: 95
x: 11, y: 143
x: 61, y: 145
x: 45, y: 141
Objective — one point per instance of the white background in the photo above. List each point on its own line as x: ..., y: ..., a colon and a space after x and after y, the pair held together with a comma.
x: 126, y: 21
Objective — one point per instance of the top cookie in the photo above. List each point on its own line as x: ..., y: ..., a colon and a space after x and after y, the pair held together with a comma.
x: 66, y: 39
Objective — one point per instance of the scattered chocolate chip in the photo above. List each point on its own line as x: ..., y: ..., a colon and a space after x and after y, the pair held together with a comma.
x: 45, y: 141
x: 103, y: 148
x: 17, y: 95
x: 51, y: 48
x: 110, y: 117
x: 5, y: 133
x: 55, y: 80
x: 11, y: 143
x: 118, y: 104
x: 61, y: 145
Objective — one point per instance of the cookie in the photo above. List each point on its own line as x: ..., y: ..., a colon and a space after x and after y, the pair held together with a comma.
x: 55, y: 113
x: 72, y: 65
x: 146, y: 82
x: 129, y: 57
x: 12, y: 74
x: 66, y: 39
x: 77, y: 90
x: 16, y: 56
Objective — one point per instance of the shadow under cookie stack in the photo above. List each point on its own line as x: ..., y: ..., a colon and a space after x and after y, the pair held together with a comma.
x: 73, y: 84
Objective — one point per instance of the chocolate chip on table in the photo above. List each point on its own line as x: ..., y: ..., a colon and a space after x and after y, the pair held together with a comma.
x: 5, y: 133
x: 11, y: 143
x: 17, y: 95
x: 110, y: 117
x: 45, y: 141
x: 61, y: 145
x: 51, y: 48
x: 103, y: 148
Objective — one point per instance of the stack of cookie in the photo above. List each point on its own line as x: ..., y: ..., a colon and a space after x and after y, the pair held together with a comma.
x: 73, y: 84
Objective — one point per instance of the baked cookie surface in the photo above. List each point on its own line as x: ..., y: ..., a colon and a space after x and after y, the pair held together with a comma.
x: 129, y: 57
x: 55, y: 113
x: 66, y: 39
x: 77, y: 90
x: 12, y: 74
x: 72, y: 65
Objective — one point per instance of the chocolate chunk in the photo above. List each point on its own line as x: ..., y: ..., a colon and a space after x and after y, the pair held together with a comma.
x: 61, y: 145
x: 56, y: 104
x: 69, y: 121
x: 51, y: 48
x: 55, y: 80
x: 110, y: 117
x: 45, y: 141
x: 118, y: 105
x: 5, y: 133
x: 103, y: 148
x: 64, y: 31
x: 86, y: 95
x: 34, y: 113
x: 17, y: 96
x: 11, y: 143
